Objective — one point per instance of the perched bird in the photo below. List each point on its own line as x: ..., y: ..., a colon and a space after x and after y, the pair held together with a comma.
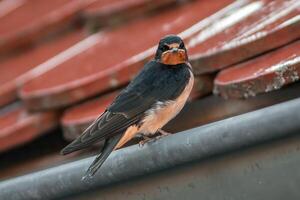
x: 153, y: 98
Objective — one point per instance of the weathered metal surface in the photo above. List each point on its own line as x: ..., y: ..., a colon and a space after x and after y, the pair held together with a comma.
x: 18, y: 126
x: 31, y: 20
x: 265, y: 73
x: 31, y: 64
x: 169, y: 152
x: 267, y: 171
x: 249, y: 29
x: 113, y: 58
x: 111, y: 12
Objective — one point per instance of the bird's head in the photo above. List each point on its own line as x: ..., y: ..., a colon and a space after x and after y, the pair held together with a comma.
x: 171, y: 51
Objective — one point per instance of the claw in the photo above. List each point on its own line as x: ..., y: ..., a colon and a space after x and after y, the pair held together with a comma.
x: 145, y: 140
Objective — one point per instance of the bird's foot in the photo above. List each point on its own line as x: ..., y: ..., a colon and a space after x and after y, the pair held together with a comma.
x: 145, y: 140
x: 162, y: 134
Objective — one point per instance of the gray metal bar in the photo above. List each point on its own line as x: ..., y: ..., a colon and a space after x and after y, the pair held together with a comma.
x: 219, y: 137
x: 269, y: 171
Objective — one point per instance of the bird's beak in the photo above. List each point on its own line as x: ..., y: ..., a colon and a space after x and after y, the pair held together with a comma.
x: 174, y: 56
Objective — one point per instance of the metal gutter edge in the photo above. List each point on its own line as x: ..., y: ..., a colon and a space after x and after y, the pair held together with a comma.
x: 215, y: 138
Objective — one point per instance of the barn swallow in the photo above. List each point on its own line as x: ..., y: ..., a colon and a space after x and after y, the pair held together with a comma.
x: 154, y: 97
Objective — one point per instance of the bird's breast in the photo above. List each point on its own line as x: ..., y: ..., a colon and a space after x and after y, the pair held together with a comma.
x: 162, y: 112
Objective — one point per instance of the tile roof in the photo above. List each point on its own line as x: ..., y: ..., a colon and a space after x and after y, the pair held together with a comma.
x: 242, y: 30
x: 121, y: 57
x: 31, y: 64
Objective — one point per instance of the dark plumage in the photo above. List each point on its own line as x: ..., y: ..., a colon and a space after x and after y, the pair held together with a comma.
x: 157, y: 82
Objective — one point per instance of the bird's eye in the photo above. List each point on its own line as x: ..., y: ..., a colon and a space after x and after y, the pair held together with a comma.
x: 181, y: 46
x: 165, y: 47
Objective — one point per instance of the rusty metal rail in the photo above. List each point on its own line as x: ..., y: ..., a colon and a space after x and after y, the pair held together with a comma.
x: 195, y: 144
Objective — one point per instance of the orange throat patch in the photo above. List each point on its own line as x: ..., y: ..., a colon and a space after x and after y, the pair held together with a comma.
x: 174, y: 58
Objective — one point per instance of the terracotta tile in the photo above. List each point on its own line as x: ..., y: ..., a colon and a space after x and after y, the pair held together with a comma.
x: 31, y: 63
x: 114, y: 59
x: 103, y: 12
x: 265, y: 73
x: 9, y: 6
x: 33, y: 19
x: 18, y: 127
x: 76, y: 119
x: 246, y: 30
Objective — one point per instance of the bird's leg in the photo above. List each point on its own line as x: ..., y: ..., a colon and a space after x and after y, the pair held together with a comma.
x: 147, y: 139
x: 144, y: 140
x: 162, y: 134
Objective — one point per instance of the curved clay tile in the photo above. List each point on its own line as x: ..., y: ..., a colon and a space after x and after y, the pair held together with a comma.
x: 31, y: 63
x: 33, y: 19
x: 113, y: 58
x: 103, y: 12
x: 18, y: 127
x: 265, y: 73
x: 244, y: 31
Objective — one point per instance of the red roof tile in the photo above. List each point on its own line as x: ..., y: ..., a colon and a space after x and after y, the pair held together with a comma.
x: 18, y: 127
x: 113, y: 60
x: 30, y: 64
x: 31, y: 20
x: 265, y: 73
x: 103, y: 12
x: 247, y: 29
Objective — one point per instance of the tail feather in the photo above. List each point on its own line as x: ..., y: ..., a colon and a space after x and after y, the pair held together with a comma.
x: 74, y: 146
x: 108, y: 147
